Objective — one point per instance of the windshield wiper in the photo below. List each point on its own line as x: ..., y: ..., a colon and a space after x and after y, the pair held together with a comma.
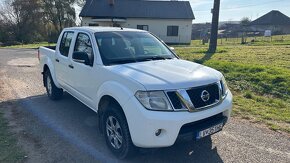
x: 133, y: 60
x: 153, y: 58
x: 124, y: 61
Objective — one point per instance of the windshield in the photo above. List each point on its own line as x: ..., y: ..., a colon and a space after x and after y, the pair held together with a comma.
x: 127, y: 46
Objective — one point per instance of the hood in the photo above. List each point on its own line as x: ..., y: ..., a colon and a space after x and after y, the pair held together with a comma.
x: 168, y: 74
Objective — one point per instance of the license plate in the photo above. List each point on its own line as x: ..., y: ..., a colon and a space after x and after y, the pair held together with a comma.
x: 209, y: 131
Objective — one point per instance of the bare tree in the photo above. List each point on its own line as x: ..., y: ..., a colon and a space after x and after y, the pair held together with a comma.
x: 245, y: 22
x: 35, y: 20
x: 80, y: 3
x: 21, y: 20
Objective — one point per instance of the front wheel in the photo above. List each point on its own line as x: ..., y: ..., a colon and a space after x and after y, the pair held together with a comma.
x: 117, y: 133
x: 53, y: 92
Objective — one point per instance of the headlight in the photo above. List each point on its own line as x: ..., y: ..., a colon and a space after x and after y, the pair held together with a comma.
x: 225, y: 87
x: 154, y: 100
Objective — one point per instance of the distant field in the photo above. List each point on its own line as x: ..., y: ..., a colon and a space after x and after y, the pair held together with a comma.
x: 258, y: 75
x: 30, y: 46
x: 252, y: 41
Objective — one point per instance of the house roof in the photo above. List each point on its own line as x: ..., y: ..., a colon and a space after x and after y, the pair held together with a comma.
x: 137, y: 9
x: 272, y: 18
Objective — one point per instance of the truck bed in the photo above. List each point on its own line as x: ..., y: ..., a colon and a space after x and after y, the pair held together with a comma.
x: 50, y: 47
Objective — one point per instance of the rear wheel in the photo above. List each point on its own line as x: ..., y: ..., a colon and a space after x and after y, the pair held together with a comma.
x: 117, y: 133
x: 53, y: 92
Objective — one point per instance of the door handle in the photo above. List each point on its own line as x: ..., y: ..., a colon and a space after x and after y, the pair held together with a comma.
x: 57, y: 60
x: 71, y: 66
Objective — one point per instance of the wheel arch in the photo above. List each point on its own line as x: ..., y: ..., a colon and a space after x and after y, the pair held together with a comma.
x: 45, y: 68
x: 103, y: 106
x: 49, y: 67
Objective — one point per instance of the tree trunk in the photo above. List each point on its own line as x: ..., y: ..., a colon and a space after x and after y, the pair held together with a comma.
x: 214, y: 27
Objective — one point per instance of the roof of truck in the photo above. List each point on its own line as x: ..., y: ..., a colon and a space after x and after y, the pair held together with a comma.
x: 101, y: 29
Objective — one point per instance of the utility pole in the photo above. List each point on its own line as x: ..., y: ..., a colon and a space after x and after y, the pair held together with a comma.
x: 214, y: 26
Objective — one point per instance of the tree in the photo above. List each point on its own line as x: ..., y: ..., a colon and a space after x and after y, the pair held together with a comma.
x: 59, y: 13
x: 8, y: 20
x: 35, y: 20
x: 20, y: 21
x: 28, y: 15
x: 245, y: 21
x: 80, y: 3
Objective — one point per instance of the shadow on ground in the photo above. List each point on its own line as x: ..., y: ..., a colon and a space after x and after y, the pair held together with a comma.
x: 66, y: 131
x: 205, y: 58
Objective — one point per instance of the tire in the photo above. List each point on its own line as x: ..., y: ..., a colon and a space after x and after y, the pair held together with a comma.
x: 52, y: 91
x: 116, y: 132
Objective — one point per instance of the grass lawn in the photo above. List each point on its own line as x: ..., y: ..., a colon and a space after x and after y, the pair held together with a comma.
x: 258, y: 76
x: 30, y: 46
x: 9, y: 151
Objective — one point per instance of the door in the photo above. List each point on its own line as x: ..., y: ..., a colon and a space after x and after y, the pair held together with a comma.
x: 61, y: 58
x: 82, y: 77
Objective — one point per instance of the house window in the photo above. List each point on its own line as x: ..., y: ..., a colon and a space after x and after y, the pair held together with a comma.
x: 143, y: 27
x: 172, y: 30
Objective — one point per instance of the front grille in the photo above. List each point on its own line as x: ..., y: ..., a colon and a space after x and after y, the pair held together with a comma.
x: 174, y: 100
x: 196, y: 99
x: 195, y: 96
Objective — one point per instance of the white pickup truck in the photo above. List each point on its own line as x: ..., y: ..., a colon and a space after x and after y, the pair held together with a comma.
x: 145, y: 96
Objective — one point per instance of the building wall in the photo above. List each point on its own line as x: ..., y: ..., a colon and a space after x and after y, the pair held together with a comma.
x: 156, y: 26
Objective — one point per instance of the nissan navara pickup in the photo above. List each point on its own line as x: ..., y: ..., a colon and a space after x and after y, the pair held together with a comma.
x: 144, y: 94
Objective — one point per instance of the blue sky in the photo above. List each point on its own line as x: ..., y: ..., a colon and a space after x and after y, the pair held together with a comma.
x: 237, y: 9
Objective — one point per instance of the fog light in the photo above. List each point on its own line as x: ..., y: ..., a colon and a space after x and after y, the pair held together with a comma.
x: 158, y: 132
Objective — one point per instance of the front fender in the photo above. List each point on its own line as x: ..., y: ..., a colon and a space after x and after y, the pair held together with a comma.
x: 116, y: 90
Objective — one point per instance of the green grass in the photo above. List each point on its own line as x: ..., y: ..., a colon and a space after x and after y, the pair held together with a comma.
x: 9, y: 152
x: 30, y: 46
x: 258, y: 76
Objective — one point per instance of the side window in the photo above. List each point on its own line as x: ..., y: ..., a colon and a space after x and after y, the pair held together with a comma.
x: 84, y: 44
x: 172, y: 30
x: 65, y: 43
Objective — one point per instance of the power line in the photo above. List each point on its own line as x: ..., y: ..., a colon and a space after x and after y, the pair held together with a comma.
x: 245, y: 6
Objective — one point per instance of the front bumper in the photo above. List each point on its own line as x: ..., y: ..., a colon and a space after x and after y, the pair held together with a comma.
x: 144, y: 123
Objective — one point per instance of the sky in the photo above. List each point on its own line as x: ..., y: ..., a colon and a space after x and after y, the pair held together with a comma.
x: 235, y: 10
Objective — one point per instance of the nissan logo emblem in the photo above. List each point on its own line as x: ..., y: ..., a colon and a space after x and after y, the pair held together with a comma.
x: 205, y: 95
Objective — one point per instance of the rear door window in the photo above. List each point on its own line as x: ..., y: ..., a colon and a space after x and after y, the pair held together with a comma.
x: 65, y: 43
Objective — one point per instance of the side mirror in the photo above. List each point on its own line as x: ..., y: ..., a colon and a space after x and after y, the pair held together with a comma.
x: 82, y: 57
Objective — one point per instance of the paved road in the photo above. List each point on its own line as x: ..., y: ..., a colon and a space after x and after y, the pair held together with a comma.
x: 66, y: 130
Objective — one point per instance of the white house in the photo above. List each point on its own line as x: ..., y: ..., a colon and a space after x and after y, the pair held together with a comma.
x: 169, y: 20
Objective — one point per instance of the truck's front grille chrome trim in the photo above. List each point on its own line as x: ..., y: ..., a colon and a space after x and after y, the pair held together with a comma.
x: 187, y: 102
x: 185, y: 99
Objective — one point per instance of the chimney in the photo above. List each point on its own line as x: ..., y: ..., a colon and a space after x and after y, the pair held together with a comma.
x: 111, y: 2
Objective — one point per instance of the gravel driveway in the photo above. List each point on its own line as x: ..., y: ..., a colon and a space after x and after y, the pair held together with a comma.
x: 66, y: 130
